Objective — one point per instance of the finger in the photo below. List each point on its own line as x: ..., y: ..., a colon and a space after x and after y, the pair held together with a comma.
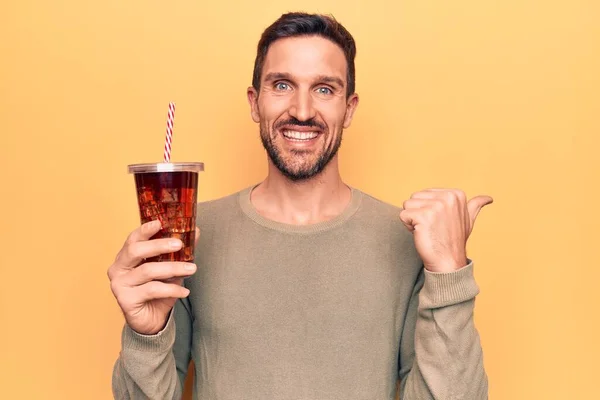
x: 412, y: 204
x: 144, y: 232
x: 476, y: 204
x: 123, y: 263
x: 158, y: 271
x: 409, y: 218
x: 197, y: 235
x: 134, y: 253
x: 177, y: 281
x: 160, y: 290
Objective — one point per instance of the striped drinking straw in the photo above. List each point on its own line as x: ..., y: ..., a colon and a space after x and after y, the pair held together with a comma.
x: 169, y: 138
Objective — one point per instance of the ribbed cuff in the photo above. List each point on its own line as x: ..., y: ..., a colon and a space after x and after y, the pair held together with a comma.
x: 448, y: 288
x: 160, y: 342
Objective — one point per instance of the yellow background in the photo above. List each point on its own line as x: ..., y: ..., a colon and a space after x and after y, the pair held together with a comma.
x: 493, y: 97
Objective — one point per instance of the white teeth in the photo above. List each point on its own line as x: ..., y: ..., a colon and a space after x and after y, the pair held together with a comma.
x: 300, y: 135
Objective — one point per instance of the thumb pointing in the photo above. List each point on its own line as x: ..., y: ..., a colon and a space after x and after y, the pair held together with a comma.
x: 476, y: 204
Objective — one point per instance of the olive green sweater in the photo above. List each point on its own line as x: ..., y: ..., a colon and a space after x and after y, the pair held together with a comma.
x: 338, y: 310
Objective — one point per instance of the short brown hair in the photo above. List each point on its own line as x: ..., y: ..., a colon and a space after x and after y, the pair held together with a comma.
x: 303, y: 24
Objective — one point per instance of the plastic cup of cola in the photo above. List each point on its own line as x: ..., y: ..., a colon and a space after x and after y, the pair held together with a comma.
x: 168, y: 192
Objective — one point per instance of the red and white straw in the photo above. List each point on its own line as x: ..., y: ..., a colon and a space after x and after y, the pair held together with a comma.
x: 169, y: 138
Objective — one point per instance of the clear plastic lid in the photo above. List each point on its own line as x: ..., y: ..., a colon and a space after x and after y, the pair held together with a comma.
x: 166, y: 167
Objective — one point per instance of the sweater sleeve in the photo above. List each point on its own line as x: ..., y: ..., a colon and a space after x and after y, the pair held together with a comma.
x: 440, y: 351
x: 154, y: 367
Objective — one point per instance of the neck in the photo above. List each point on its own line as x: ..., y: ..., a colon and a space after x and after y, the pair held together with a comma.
x: 314, y: 200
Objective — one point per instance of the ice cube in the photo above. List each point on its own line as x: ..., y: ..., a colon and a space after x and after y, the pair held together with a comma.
x: 183, y: 224
x: 146, y: 195
x: 188, y: 195
x: 174, y: 210
x: 189, y: 210
x: 150, y: 210
x: 169, y: 195
x: 188, y: 253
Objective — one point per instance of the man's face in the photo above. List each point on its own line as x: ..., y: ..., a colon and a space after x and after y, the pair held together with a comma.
x: 302, y: 106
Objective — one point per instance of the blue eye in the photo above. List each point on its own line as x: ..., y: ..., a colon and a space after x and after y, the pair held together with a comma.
x: 281, y: 86
x: 324, y: 90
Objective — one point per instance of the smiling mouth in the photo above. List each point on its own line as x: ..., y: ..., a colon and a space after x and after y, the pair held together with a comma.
x: 299, y: 136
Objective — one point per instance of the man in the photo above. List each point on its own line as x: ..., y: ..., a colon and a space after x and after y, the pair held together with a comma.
x: 303, y: 287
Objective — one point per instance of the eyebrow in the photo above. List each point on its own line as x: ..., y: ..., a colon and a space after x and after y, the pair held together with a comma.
x: 273, y: 76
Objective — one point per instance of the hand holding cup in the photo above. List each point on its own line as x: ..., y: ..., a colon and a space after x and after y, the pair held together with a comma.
x: 147, y: 291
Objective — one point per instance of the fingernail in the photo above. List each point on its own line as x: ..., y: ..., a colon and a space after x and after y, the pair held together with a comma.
x: 175, y: 244
x: 189, y: 267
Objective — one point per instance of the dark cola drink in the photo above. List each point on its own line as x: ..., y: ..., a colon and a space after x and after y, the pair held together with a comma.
x: 168, y: 192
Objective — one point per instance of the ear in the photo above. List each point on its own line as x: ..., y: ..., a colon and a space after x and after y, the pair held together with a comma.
x: 253, y: 101
x: 351, y: 105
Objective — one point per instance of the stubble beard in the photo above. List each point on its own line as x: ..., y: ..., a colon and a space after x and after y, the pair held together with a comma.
x: 298, y: 167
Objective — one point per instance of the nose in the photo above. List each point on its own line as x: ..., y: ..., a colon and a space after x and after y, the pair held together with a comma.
x: 302, y: 107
